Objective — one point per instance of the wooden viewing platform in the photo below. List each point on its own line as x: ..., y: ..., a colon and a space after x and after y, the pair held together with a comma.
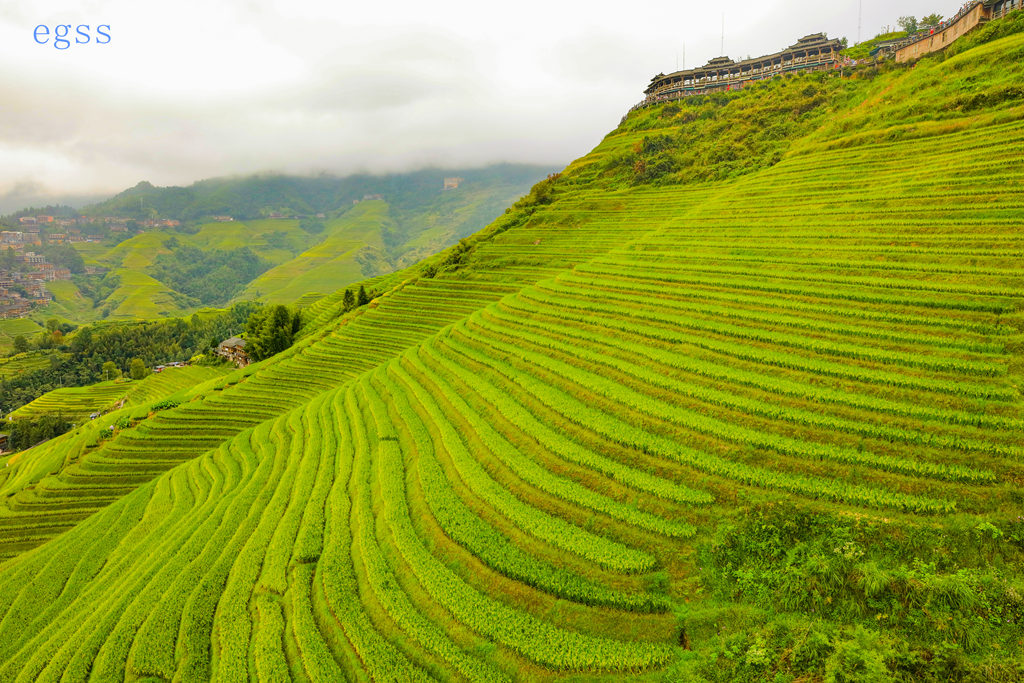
x: 811, y: 53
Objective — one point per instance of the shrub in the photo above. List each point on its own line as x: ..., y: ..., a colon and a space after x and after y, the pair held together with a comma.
x: 861, y: 659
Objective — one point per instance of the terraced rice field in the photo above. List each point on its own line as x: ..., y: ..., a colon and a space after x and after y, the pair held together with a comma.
x: 13, y: 327
x: 504, y: 473
x: 23, y: 362
x: 75, y: 403
x: 78, y: 403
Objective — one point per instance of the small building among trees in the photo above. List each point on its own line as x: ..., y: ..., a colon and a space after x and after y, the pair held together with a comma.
x: 233, y: 350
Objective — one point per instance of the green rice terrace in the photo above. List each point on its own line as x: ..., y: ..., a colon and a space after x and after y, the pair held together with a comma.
x: 737, y: 396
x: 78, y: 403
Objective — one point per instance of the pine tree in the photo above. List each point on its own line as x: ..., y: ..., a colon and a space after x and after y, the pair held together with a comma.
x: 363, y: 297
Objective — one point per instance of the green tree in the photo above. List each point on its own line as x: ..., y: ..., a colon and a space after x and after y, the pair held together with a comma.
x: 908, y: 24
x: 278, y: 335
x: 362, y: 298
x: 138, y: 369
x: 52, y: 325
x: 20, y: 343
x: 933, y: 19
x: 28, y: 433
x: 110, y: 370
x: 82, y: 340
x: 270, y: 331
x: 348, y: 302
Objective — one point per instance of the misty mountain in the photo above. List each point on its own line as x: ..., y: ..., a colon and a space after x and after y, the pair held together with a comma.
x: 259, y: 195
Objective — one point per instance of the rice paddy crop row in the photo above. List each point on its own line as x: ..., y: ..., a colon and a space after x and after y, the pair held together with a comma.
x: 544, y: 526
x: 534, y: 638
x: 575, y: 345
x: 523, y: 418
x: 826, y: 325
x: 766, y: 356
x: 631, y: 436
x: 797, y: 288
x: 814, y: 345
x: 957, y: 326
x: 483, y: 540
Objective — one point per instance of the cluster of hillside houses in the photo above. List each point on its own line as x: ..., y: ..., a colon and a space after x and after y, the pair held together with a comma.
x: 25, y: 288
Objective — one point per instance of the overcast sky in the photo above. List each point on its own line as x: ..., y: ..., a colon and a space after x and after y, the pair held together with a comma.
x: 191, y: 89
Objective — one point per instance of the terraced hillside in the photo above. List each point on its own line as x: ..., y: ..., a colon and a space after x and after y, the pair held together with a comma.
x: 13, y: 327
x: 22, y: 362
x: 763, y: 426
x: 77, y: 403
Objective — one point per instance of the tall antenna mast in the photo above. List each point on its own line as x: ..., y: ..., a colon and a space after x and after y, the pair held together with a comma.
x: 860, y: 18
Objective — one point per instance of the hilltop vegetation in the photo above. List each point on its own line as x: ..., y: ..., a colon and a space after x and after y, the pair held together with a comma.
x: 750, y: 419
x: 719, y: 136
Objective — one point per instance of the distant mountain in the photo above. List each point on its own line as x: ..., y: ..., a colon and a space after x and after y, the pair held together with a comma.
x: 259, y: 196
x: 289, y: 237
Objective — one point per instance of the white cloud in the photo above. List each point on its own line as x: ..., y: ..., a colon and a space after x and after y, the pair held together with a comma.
x: 194, y: 89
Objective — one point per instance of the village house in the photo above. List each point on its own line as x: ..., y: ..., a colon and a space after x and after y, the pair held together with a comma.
x: 15, y: 308
x: 26, y: 285
x: 233, y: 349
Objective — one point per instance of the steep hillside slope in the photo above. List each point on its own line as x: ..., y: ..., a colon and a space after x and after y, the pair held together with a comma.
x: 729, y: 421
